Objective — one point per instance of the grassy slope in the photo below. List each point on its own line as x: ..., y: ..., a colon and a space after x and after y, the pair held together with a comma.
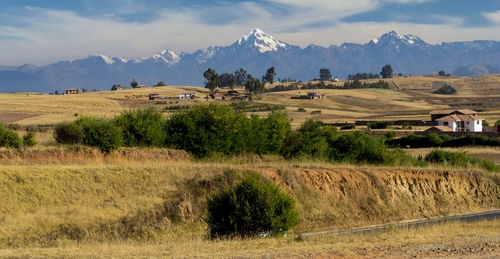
x: 411, y: 100
x: 158, y: 200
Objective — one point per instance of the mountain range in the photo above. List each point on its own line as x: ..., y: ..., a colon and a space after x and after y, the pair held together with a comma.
x: 256, y: 51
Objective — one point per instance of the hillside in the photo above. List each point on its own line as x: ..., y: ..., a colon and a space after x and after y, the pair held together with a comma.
x: 408, y: 98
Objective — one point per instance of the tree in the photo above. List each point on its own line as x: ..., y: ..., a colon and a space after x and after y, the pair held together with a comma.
x: 386, y: 71
x: 115, y: 87
x: 232, y: 82
x: 270, y: 73
x: 253, y: 85
x: 84, y: 90
x: 442, y: 73
x: 240, y: 76
x: 225, y: 80
x: 325, y: 74
x: 134, y: 83
x: 212, y: 80
x: 161, y: 83
x: 56, y: 92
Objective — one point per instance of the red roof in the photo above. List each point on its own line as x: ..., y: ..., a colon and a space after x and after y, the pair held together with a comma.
x: 439, y: 128
x: 459, y: 117
x: 462, y: 111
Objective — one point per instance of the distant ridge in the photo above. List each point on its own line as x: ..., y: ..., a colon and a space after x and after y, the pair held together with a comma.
x: 256, y: 51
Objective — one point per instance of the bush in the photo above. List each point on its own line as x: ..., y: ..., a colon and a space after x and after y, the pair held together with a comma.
x: 142, y: 128
x: 357, y: 147
x: 251, y: 207
x: 101, y: 133
x: 68, y: 133
x: 378, y: 125
x: 29, y: 140
x: 9, y: 138
x: 311, y: 140
x: 459, y: 159
x: 497, y: 123
x: 208, y: 129
x: 446, y: 89
x: 348, y: 127
x: 390, y: 135
x: 301, y: 109
x: 316, y: 112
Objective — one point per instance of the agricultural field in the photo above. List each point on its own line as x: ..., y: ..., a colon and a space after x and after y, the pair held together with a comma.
x: 74, y: 200
x: 410, y: 98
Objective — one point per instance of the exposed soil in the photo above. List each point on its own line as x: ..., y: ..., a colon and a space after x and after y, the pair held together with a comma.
x: 9, y: 117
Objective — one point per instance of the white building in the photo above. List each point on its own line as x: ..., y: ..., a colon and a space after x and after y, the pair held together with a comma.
x: 187, y: 96
x: 462, y: 123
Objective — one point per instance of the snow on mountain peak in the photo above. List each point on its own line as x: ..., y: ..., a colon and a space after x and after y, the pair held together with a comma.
x: 263, y: 41
x: 395, y: 37
x: 106, y: 59
x: 168, y: 56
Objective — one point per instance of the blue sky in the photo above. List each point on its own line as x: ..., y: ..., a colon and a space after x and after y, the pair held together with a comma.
x: 45, y: 31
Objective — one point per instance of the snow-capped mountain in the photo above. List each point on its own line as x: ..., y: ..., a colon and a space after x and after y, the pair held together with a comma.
x: 256, y: 51
x: 261, y: 41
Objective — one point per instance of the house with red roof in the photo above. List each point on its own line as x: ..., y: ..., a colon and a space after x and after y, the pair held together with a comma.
x: 462, y: 123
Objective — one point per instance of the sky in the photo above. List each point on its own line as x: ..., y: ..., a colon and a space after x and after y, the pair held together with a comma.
x: 41, y: 32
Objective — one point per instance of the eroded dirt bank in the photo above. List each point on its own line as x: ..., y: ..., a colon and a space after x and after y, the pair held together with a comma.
x: 355, y: 197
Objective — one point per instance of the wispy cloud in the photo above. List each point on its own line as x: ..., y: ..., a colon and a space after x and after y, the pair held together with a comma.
x: 493, y: 16
x: 41, y: 35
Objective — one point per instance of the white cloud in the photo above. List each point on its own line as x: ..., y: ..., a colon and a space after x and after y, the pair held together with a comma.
x: 493, y: 16
x: 47, y: 35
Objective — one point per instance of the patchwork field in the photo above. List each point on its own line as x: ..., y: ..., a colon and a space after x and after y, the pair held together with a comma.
x: 409, y: 98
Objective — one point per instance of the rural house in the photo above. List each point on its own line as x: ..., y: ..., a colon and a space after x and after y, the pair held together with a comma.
x: 313, y: 95
x: 154, y: 96
x: 187, y: 96
x: 72, y: 91
x: 462, y: 123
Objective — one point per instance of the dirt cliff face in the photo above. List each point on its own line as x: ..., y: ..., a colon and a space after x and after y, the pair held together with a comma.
x: 355, y: 197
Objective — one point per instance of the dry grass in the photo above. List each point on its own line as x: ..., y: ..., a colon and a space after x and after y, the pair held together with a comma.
x: 413, y: 100
x: 395, y: 242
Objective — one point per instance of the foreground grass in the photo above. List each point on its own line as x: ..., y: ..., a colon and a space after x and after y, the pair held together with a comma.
x: 454, y: 238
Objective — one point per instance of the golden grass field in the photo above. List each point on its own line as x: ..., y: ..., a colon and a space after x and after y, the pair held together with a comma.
x: 410, y: 98
x: 72, y: 201
x: 462, y: 240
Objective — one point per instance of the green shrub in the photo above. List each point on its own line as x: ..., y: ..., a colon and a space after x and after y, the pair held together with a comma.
x: 378, y: 125
x: 316, y: 112
x: 485, y: 123
x: 29, y: 140
x: 348, y: 127
x: 390, y: 135
x: 459, y: 159
x: 356, y: 147
x: 204, y: 130
x: 497, y: 123
x: 251, y: 207
x: 101, y: 133
x: 301, y: 109
x: 142, y: 128
x: 446, y: 89
x: 68, y: 133
x: 9, y: 138
x: 311, y: 140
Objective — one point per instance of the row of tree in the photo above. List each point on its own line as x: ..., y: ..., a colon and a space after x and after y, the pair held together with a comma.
x: 240, y: 77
